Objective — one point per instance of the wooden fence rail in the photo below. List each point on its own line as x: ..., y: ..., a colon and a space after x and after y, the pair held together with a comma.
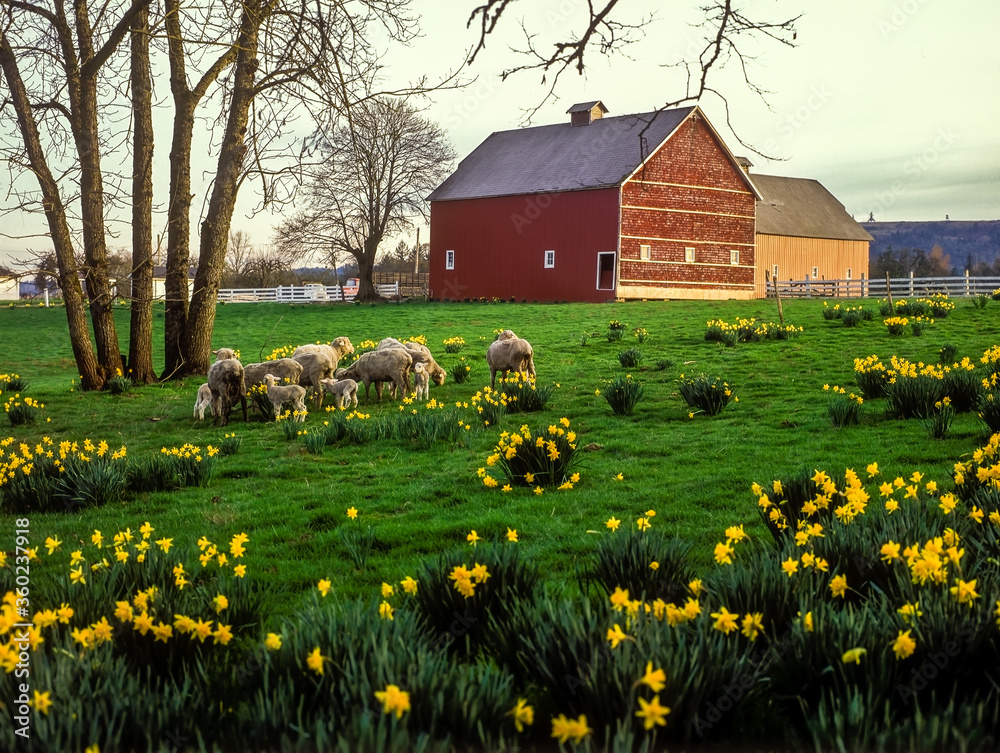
x: 299, y: 294
x: 901, y: 287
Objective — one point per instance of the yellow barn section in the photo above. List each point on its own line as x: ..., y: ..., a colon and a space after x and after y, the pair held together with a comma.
x: 796, y: 258
x: 803, y: 232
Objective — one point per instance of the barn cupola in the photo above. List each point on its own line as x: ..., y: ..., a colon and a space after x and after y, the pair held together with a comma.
x: 585, y: 113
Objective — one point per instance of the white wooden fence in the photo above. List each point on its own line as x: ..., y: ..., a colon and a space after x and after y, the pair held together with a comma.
x: 299, y: 294
x: 901, y: 287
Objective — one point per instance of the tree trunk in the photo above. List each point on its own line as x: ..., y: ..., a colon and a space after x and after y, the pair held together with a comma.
x: 178, y: 234
x: 88, y: 148
x: 140, y: 349
x: 196, y: 342
x: 367, y: 292
x: 55, y: 213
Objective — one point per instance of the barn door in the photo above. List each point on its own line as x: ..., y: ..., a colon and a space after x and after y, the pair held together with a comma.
x: 606, y: 270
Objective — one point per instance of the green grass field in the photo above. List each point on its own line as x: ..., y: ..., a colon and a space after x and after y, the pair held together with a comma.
x: 695, y: 472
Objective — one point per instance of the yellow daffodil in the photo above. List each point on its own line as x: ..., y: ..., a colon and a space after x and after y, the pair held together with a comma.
x: 393, y: 700
x: 904, y: 645
x: 652, y: 713
x: 655, y: 680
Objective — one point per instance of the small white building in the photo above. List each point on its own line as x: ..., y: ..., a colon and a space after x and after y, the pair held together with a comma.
x: 10, y: 287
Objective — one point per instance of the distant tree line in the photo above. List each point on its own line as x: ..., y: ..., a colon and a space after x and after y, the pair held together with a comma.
x: 902, y: 262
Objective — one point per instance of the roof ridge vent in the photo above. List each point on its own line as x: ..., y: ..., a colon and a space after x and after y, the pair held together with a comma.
x: 585, y: 113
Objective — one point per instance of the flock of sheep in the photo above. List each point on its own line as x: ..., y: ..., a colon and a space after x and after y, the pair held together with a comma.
x: 315, y: 368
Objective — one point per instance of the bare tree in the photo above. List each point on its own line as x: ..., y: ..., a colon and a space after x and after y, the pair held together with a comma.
x: 608, y: 28
x: 239, y: 253
x: 377, y: 167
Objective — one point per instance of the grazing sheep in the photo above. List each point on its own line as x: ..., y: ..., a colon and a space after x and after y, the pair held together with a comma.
x: 420, y: 354
x: 510, y: 353
x: 204, y: 401
x: 286, y: 393
x: 315, y: 366
x: 387, y: 365
x: 223, y: 354
x: 225, y: 380
x: 344, y: 391
x: 421, y: 381
x: 337, y: 349
x: 286, y: 369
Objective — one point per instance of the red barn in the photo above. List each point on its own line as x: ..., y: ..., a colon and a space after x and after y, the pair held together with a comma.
x: 596, y: 209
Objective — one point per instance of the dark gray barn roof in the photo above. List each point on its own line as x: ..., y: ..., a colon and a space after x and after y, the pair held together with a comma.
x: 559, y: 157
x: 801, y: 207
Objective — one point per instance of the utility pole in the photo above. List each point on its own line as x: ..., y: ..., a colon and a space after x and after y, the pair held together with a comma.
x: 416, y: 254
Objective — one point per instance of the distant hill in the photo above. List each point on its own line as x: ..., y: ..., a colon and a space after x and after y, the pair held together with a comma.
x: 967, y: 243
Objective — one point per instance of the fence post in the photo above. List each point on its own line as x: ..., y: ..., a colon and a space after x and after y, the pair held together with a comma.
x: 864, y: 285
x: 808, y: 288
x: 911, y: 283
x: 888, y: 293
x: 967, y: 293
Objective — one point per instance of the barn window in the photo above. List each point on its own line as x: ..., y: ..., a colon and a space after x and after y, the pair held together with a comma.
x: 734, y: 257
x: 815, y: 272
x: 644, y: 252
x: 689, y: 254
x: 449, y: 259
x: 550, y: 259
x: 848, y: 273
x: 606, y: 270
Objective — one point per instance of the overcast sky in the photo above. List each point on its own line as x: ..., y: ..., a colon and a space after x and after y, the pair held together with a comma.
x: 893, y: 106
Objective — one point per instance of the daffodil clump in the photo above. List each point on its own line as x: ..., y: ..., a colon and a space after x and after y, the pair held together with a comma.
x: 22, y: 410
x: 461, y: 371
x: 454, y: 344
x: 540, y: 460
x: 844, y: 408
x: 708, y: 395
x: 12, y: 383
x: 61, y: 477
x: 491, y: 405
x: 748, y: 330
x: 260, y: 402
x: 896, y: 325
x: 851, y: 316
x: 616, y: 330
x: 523, y: 393
x: 831, y: 312
x: 285, y: 351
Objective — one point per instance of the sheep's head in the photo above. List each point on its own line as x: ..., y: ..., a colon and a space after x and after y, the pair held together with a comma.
x: 270, y: 379
x: 343, y: 344
x: 328, y: 383
x: 507, y: 334
x: 439, y: 376
x: 223, y: 354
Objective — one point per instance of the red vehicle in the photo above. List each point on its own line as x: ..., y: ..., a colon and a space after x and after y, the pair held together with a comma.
x: 351, y: 286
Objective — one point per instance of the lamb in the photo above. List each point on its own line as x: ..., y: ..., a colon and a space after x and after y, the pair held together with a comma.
x: 225, y: 380
x: 315, y: 366
x: 420, y: 354
x: 387, y: 365
x: 344, y: 391
x: 421, y: 381
x: 204, y: 401
x: 286, y: 369
x: 286, y: 393
x: 337, y: 349
x: 510, y: 353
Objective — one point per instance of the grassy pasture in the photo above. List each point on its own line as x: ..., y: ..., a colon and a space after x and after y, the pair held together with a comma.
x: 695, y: 472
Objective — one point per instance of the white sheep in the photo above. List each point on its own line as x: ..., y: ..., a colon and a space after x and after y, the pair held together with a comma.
x: 204, y: 401
x: 510, y: 353
x: 421, y: 381
x: 344, y: 391
x: 420, y: 354
x: 225, y: 380
x: 286, y: 369
x: 286, y: 393
x: 316, y: 365
x: 388, y: 365
x: 336, y: 349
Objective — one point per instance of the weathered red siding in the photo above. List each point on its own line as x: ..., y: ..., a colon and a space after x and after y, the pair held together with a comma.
x: 687, y: 195
x: 500, y: 244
